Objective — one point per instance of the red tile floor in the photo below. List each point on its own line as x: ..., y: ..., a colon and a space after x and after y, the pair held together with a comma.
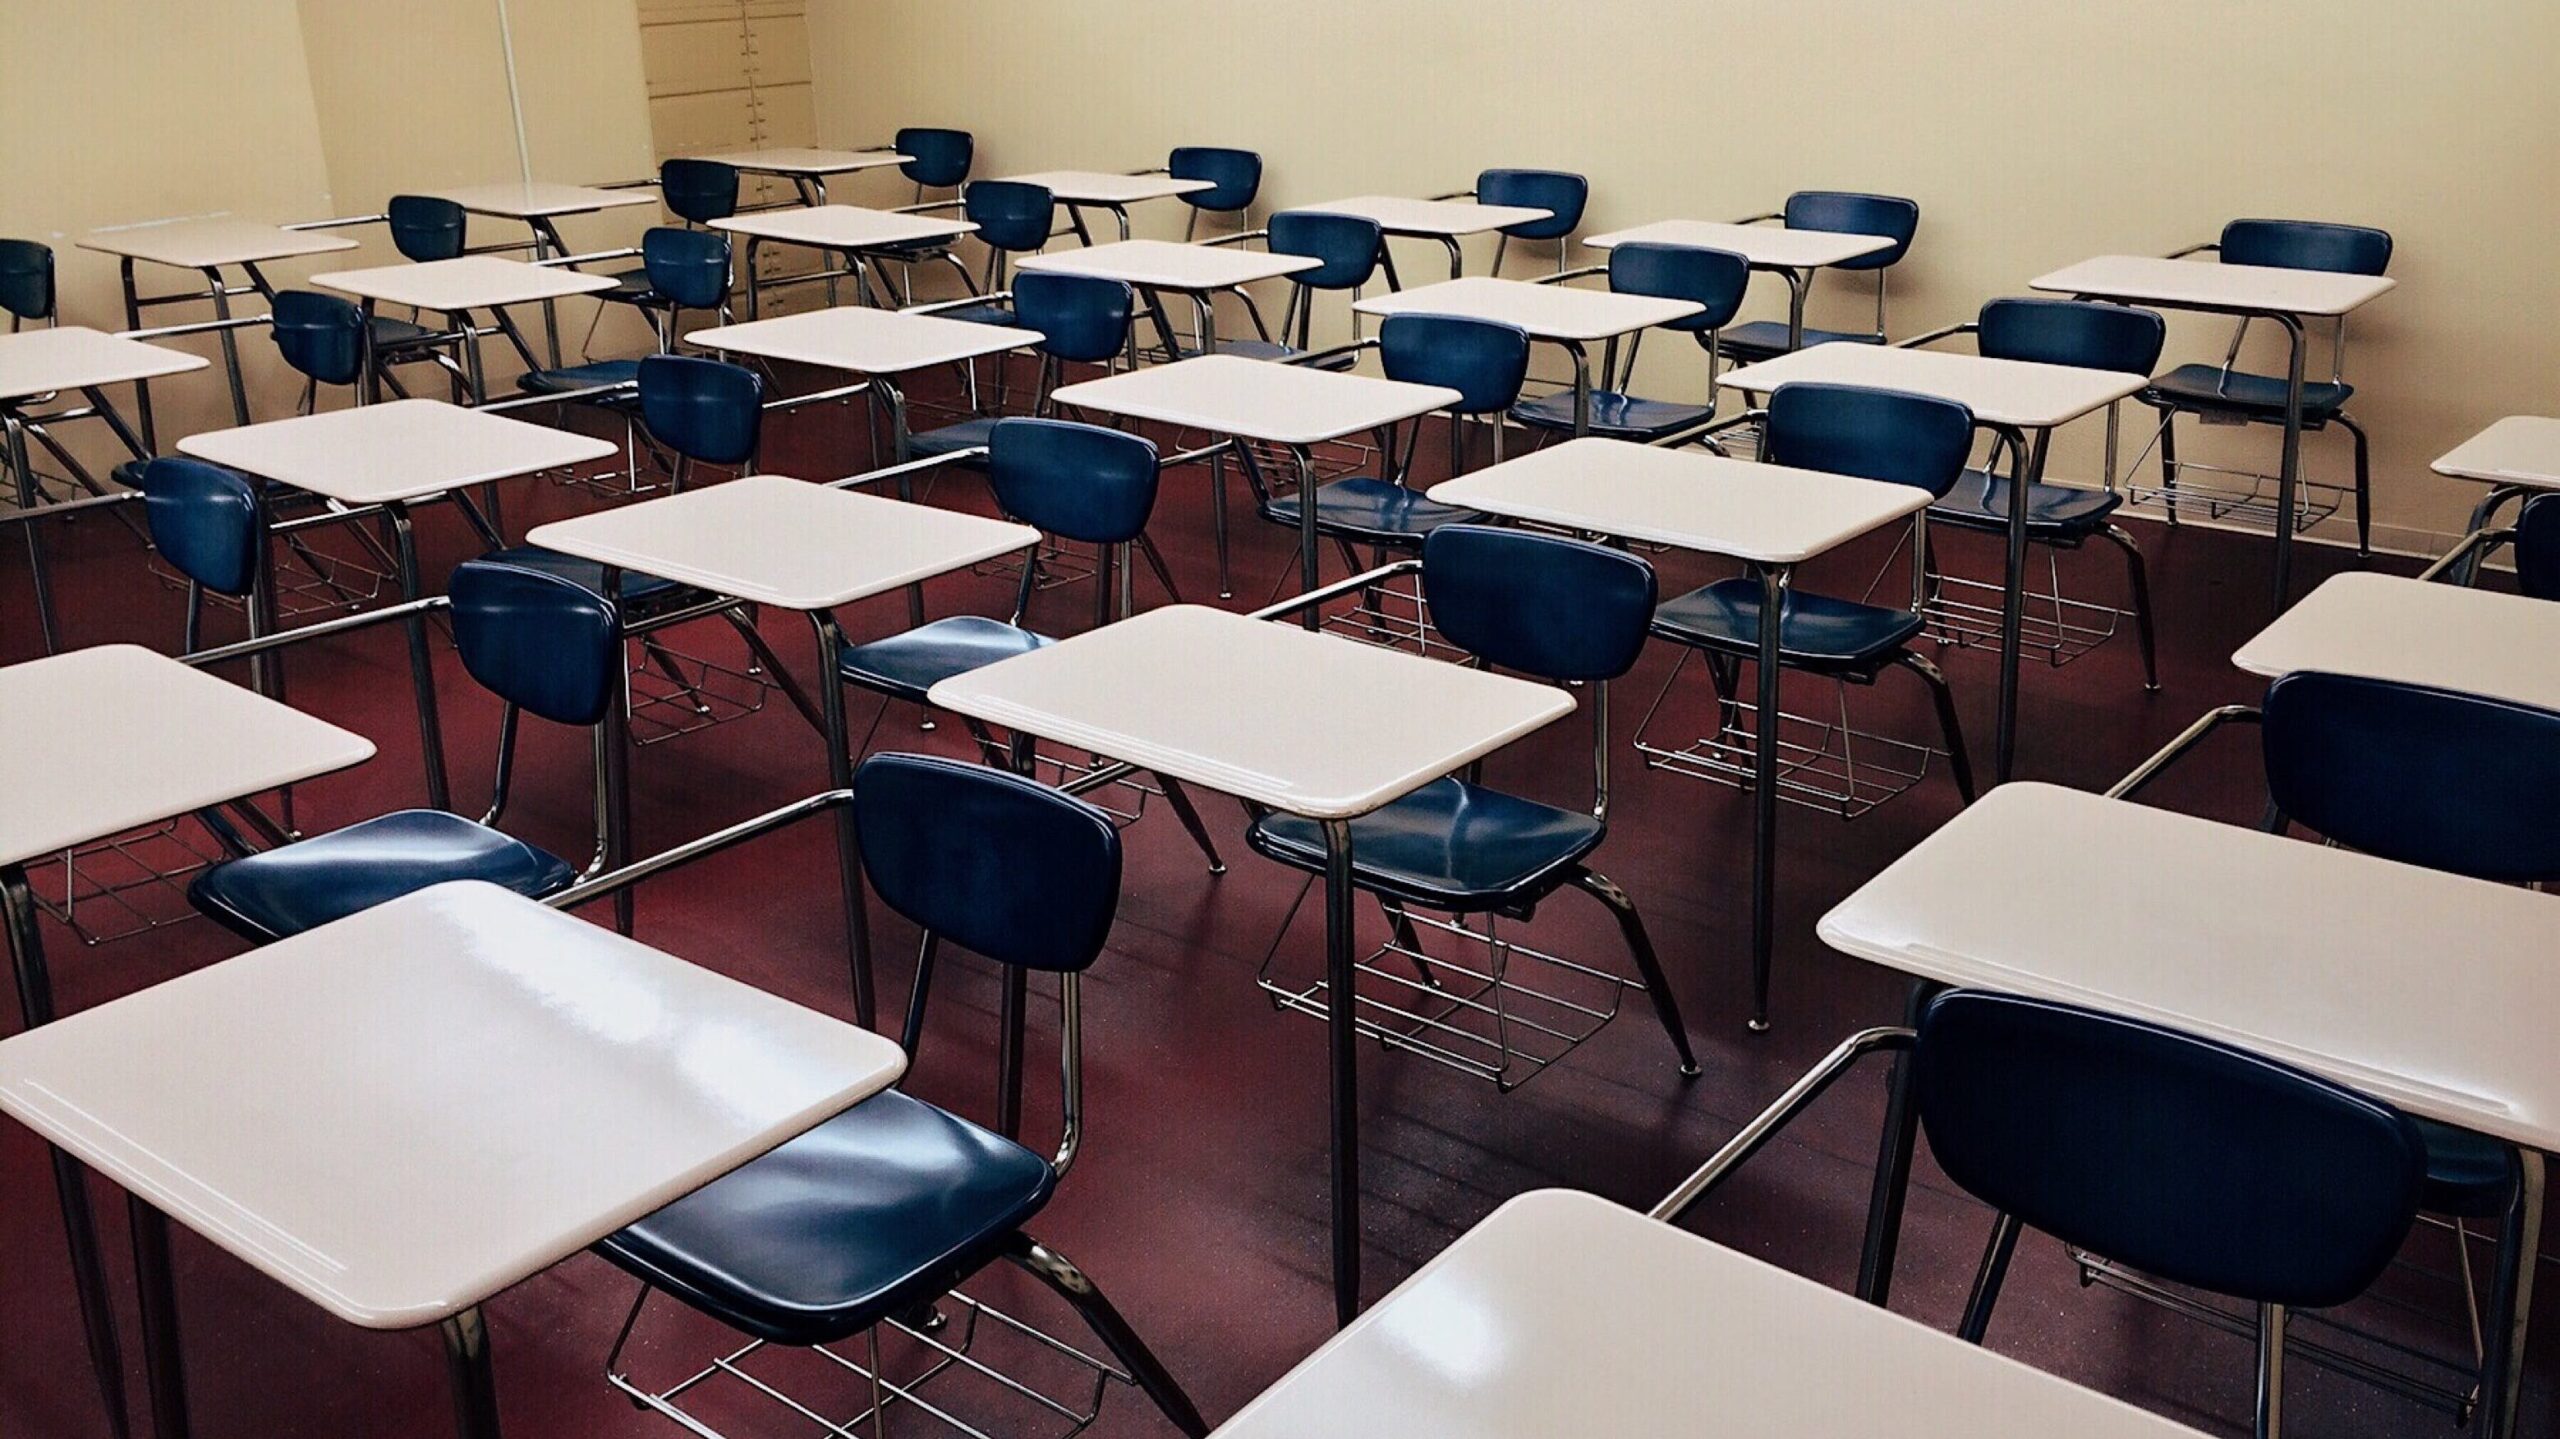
x: 1199, y: 1201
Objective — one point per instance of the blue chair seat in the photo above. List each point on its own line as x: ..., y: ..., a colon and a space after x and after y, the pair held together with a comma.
x: 1980, y: 501
x: 910, y: 251
x: 1449, y: 845
x: 286, y: 890
x: 2468, y: 1175
x: 2205, y: 387
x: 569, y: 378
x: 630, y: 287
x: 1617, y: 416
x: 968, y: 434
x: 994, y: 312
x: 1766, y: 339
x: 389, y: 333
x: 588, y: 574
x: 1368, y: 509
x: 906, y: 665
x: 1815, y: 632
x: 886, y: 1206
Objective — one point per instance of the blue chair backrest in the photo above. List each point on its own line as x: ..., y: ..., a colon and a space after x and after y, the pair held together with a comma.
x: 939, y: 158
x: 707, y: 410
x: 1714, y: 279
x: 205, y: 522
x: 2072, y: 332
x: 546, y: 644
x: 2538, y: 548
x: 1483, y: 361
x: 995, y: 862
x: 1559, y: 191
x: 26, y: 279
x: 1010, y: 215
x: 1083, y: 318
x: 1844, y: 212
x: 1888, y: 435
x: 2425, y: 776
x: 2307, y: 245
x: 321, y: 336
x: 1235, y: 176
x: 426, y: 227
x: 689, y: 267
x: 1084, y: 482
x: 2189, y: 1160
x: 699, y: 190
x: 1347, y: 244
x: 1546, y: 605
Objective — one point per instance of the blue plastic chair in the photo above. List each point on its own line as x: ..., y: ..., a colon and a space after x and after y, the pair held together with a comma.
x: 26, y: 282
x: 1013, y: 218
x: 699, y: 191
x: 208, y: 524
x: 680, y: 270
x: 1235, y: 178
x: 320, y: 336
x: 426, y: 227
x: 936, y: 159
x: 1839, y: 212
x: 1560, y: 192
x: 1081, y: 319
x: 1348, y: 248
x: 1712, y: 279
x: 2234, y: 395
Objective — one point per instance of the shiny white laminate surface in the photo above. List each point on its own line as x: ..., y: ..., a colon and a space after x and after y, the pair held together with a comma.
x: 2518, y: 450
x: 117, y: 737
x: 520, y: 200
x: 1562, y: 1314
x: 1167, y: 265
x: 465, y: 282
x: 70, y: 357
x: 1772, y: 246
x: 1547, y: 312
x: 402, y: 1113
x: 864, y: 341
x: 1296, y: 719
x: 1688, y: 499
x: 397, y: 450
x: 2390, y: 628
x: 2209, y: 284
x: 785, y: 542
x: 844, y: 227
x: 1256, y: 399
x: 1101, y: 187
x: 2001, y: 392
x: 210, y: 243
x: 803, y: 160
x: 1398, y: 215
x: 2425, y: 989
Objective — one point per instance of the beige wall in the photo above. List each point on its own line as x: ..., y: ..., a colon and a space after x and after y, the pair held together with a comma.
x: 2032, y: 132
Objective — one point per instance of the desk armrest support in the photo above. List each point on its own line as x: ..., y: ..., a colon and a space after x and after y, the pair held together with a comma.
x: 1763, y: 1127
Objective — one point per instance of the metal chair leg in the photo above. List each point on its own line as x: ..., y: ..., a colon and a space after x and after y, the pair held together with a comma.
x: 2169, y: 463
x: 2139, y: 576
x: 1945, y: 697
x: 1648, y: 964
x: 2271, y: 1321
x: 1180, y: 798
x: 2511, y: 1299
x: 1053, y: 1269
x: 1987, y: 1279
x: 2364, y: 488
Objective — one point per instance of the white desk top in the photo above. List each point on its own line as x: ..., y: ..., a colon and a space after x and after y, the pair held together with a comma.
x: 465, y: 282
x: 844, y: 227
x: 397, y: 450
x: 1547, y: 312
x: 1296, y: 719
x: 402, y: 1113
x: 785, y: 542
x: 517, y: 200
x: 2208, y: 285
x: 865, y: 341
x: 1688, y: 499
x: 1256, y: 399
x: 2390, y: 628
x: 2418, y: 987
x: 802, y: 160
x: 1167, y: 265
x: 1766, y: 246
x: 207, y: 244
x: 122, y: 737
x: 1564, y: 1314
x: 2000, y: 392
x: 1400, y: 216
x: 1101, y: 187
x: 70, y: 357
x: 2518, y: 450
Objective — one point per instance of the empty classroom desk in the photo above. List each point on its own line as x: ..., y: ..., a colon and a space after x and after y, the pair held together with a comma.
x: 346, y: 1110
x: 1559, y: 314
x: 207, y: 247
x: 805, y: 167
x: 2516, y: 457
x: 1302, y: 722
x: 2387, y: 627
x: 1447, y: 221
x: 1772, y: 249
x: 879, y: 345
x: 1080, y: 190
x: 541, y: 205
x: 456, y: 287
x: 842, y: 229
x: 1154, y: 266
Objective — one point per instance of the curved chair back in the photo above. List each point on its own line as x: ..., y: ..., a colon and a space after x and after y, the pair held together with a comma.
x: 2425, y: 776
x: 1539, y: 604
x: 205, y: 522
x: 542, y: 643
x: 321, y: 336
x: 2537, y: 547
x: 1846, y: 212
x: 1235, y: 176
x: 1347, y: 244
x: 699, y: 190
x: 426, y: 227
x: 689, y: 267
x: 995, y: 862
x: 2307, y: 245
x: 707, y: 410
x: 2193, y: 1161
x: 26, y: 280
x: 1888, y: 435
x: 1559, y: 191
x: 1485, y: 362
x: 1084, y: 482
x: 1010, y: 215
x: 939, y: 159
x: 1083, y: 318
x: 2072, y: 332
x: 1715, y: 279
